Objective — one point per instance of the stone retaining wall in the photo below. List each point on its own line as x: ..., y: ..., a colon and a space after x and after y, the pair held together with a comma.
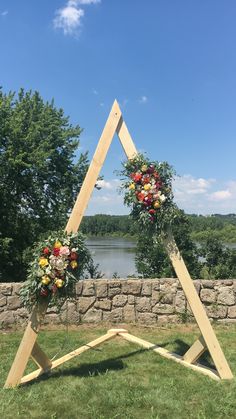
x: 146, y: 301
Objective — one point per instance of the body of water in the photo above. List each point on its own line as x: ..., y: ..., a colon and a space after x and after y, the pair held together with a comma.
x: 117, y: 255
x: 114, y: 255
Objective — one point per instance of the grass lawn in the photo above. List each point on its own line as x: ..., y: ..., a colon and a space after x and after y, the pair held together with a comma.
x: 119, y: 379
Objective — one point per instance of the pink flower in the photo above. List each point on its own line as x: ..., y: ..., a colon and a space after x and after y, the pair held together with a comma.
x: 64, y: 251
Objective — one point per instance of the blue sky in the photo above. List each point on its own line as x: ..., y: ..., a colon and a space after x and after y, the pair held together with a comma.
x: 170, y: 64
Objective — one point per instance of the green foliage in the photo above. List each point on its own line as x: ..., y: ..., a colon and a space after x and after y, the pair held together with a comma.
x: 219, y: 262
x: 51, y: 274
x: 221, y: 227
x: 152, y: 260
x: 108, y: 225
x: 39, y: 179
x: 93, y: 270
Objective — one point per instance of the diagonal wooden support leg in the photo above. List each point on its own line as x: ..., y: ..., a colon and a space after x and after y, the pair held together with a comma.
x: 197, y: 308
x: 26, y: 346
x: 195, y: 351
x: 40, y: 358
x: 112, y: 333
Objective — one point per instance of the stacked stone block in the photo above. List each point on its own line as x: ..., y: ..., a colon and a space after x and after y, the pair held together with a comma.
x: 142, y: 301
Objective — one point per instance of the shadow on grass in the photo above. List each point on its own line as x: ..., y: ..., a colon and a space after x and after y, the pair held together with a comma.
x: 180, y: 347
x: 89, y: 370
x: 101, y: 367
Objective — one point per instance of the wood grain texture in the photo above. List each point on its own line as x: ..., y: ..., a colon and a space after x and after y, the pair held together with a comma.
x: 26, y: 346
x: 195, y: 351
x: 197, y: 308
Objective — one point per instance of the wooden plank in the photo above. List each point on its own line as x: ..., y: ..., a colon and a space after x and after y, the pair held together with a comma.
x: 109, y: 335
x: 126, y: 140
x: 94, y: 169
x: 197, y: 308
x: 170, y: 355
x: 195, y: 351
x: 40, y: 358
x: 26, y: 346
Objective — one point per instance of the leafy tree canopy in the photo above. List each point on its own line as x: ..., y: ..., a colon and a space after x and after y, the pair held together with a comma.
x: 39, y: 178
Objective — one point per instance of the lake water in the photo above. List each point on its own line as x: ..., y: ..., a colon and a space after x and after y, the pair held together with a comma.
x: 114, y: 255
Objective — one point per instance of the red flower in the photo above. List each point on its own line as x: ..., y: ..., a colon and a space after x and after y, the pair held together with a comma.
x: 56, y: 251
x: 73, y: 256
x: 158, y: 185
x: 140, y: 196
x: 44, y: 292
x: 151, y: 169
x: 54, y: 289
x: 136, y: 177
x: 152, y: 211
x: 147, y: 201
x: 145, y: 179
x: 46, y: 251
x: 156, y: 175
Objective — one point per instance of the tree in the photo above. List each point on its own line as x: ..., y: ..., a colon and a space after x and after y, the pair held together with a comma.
x: 39, y: 179
x: 151, y: 257
x: 219, y: 262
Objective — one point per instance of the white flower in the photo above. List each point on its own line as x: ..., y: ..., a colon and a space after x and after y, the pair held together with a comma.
x: 162, y: 198
x: 48, y: 271
x: 40, y: 272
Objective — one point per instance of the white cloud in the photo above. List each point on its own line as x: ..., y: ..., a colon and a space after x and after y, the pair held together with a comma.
x: 143, y: 99
x: 188, y: 185
x: 220, y: 195
x: 69, y: 17
x: 104, y: 184
x: 4, y: 13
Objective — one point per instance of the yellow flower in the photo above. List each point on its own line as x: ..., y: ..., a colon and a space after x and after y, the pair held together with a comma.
x: 58, y: 244
x: 43, y: 262
x: 45, y: 280
x: 59, y: 283
x: 156, y: 204
x: 144, y: 168
x: 132, y: 186
x: 147, y: 186
x: 73, y: 264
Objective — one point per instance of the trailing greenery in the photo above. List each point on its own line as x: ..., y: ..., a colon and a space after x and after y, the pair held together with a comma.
x: 120, y: 380
x: 152, y: 260
x: 39, y: 179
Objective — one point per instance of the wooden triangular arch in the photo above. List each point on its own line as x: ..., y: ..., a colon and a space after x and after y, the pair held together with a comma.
x: 208, y: 340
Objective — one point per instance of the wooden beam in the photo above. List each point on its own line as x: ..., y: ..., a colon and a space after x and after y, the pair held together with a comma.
x: 94, y: 169
x: 170, y: 355
x: 197, y: 308
x: 126, y: 140
x: 26, y: 346
x: 40, y: 358
x: 195, y: 351
x: 109, y: 335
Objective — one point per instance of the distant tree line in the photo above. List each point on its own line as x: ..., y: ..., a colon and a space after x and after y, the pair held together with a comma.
x: 221, y: 227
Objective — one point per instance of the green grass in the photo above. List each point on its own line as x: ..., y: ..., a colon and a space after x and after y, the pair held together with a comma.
x: 119, y: 379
